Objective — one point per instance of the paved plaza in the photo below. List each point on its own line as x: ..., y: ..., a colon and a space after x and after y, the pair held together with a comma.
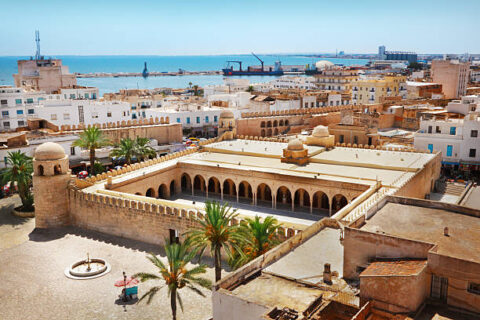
x: 34, y: 286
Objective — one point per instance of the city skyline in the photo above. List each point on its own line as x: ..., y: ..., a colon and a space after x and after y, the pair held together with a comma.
x: 207, y: 28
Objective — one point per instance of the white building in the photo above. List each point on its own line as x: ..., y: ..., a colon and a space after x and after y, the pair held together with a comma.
x: 230, y: 85
x: 466, y: 105
x: 286, y: 82
x: 17, y: 104
x: 238, y: 100
x: 457, y: 139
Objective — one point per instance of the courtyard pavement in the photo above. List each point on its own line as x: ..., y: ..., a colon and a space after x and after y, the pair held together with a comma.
x: 33, y: 285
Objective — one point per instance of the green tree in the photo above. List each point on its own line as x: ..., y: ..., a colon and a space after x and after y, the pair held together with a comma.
x: 217, y: 232
x: 91, y: 139
x: 415, y: 66
x: 261, y: 237
x: 250, y: 89
x: 195, y: 90
x: 190, y: 84
x: 125, y: 149
x: 175, y: 275
x: 19, y: 170
x: 142, y: 149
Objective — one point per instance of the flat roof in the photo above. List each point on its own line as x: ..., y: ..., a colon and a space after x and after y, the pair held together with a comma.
x: 427, y: 224
x: 395, y: 268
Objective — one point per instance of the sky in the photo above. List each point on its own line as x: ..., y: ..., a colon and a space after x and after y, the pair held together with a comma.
x: 203, y: 27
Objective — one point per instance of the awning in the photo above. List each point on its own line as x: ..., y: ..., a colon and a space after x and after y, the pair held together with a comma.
x: 451, y: 163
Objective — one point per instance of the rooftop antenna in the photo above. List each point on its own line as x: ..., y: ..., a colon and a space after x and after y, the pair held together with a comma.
x: 37, y: 40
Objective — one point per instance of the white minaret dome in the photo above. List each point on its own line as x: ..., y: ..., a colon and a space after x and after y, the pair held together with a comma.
x: 295, y: 145
x: 49, y: 151
x: 226, y: 114
x: 320, y: 131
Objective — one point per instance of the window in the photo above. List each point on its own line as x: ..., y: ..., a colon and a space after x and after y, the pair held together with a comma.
x: 453, y: 130
x: 18, y: 101
x: 3, y: 102
x: 30, y: 100
x: 19, y: 111
x: 87, y: 95
x: 5, y: 114
x: 109, y: 114
x: 72, y: 151
x: 306, y: 104
x: 21, y: 123
x: 449, y: 151
x: 198, y: 119
x: 355, y: 139
x: 94, y: 115
x: 178, y: 120
x: 342, y: 138
x: 429, y: 129
x: 472, y: 153
x: 206, y: 119
x: 215, y: 119
x: 72, y: 95
x: 66, y: 116
x: 53, y: 116
x: 474, y: 288
x: 474, y: 133
x: 40, y: 99
x: 430, y: 147
x: 94, y: 96
x: 188, y: 120
x: 31, y: 111
x: 437, y: 129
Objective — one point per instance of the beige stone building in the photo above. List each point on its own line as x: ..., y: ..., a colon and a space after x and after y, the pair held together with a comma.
x: 378, y: 89
x: 452, y: 75
x: 47, y: 75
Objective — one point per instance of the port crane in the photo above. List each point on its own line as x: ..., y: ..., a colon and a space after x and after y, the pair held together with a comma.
x: 235, y: 61
x: 261, y: 61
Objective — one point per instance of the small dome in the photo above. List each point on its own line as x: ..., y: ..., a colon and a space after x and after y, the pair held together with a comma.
x: 323, y: 64
x: 320, y: 132
x: 226, y: 114
x: 295, y: 145
x: 49, y: 151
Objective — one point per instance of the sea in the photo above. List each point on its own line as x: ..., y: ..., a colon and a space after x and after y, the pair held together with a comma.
x: 118, y: 63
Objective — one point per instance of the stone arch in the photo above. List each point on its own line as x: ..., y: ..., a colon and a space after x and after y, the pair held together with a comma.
x: 264, y: 194
x: 245, y: 191
x: 262, y: 133
x: 213, y: 186
x: 229, y: 188
x: 41, y: 171
x: 280, y: 123
x: 286, y: 122
x: 275, y: 123
x: 320, y: 201
x: 172, y: 188
x: 302, y: 198
x: 269, y: 124
x: 199, y: 183
x: 262, y: 124
x: 57, y: 169
x: 338, y: 202
x: 186, y: 183
x: 163, y: 191
x: 269, y: 132
x: 284, y: 197
x: 275, y: 132
x: 150, y: 193
x: 138, y: 194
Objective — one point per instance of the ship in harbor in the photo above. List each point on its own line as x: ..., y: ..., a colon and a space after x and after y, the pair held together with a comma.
x: 275, y: 70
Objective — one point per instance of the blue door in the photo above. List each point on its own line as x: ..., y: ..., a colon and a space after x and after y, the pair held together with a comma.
x: 430, y: 147
x: 449, y: 151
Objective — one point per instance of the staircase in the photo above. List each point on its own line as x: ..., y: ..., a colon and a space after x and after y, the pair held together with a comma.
x: 452, y: 188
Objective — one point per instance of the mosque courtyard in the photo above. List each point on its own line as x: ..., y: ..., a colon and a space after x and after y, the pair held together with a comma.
x: 34, y: 285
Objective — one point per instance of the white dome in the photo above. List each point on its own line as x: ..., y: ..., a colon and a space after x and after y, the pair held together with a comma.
x: 295, y: 145
x: 320, y: 132
x: 49, y: 151
x: 323, y: 64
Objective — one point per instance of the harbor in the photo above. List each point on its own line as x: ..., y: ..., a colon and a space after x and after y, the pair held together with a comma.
x: 150, y: 74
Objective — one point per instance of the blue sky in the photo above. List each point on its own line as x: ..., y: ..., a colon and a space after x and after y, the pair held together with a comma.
x: 183, y: 27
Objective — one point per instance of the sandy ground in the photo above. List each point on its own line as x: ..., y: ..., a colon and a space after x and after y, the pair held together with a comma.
x: 33, y: 284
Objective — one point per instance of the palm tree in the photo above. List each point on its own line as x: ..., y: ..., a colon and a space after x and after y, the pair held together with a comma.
x: 190, y: 84
x: 175, y: 275
x: 262, y: 236
x: 19, y: 170
x: 125, y: 149
x: 91, y: 139
x: 216, y: 232
x: 142, y: 149
x: 195, y: 90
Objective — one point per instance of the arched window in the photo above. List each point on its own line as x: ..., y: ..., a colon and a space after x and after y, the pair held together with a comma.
x: 40, y: 170
x: 57, y: 169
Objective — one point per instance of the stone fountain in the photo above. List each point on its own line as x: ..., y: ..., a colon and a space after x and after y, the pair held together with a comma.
x: 87, y: 269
